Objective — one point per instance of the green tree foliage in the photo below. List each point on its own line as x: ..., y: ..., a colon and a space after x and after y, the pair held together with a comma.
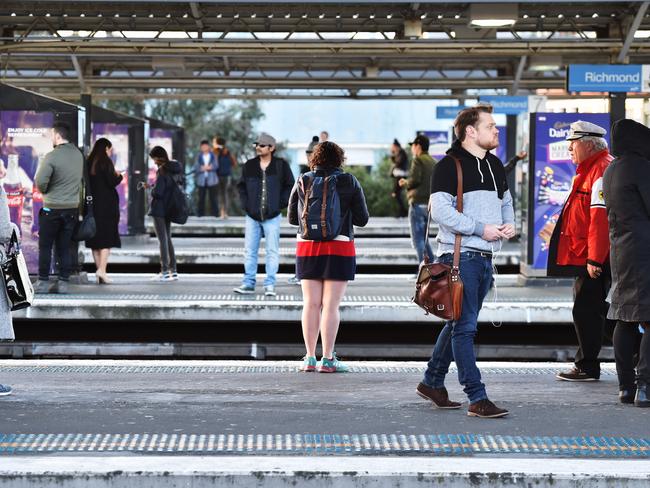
x: 202, y: 119
x: 377, y: 186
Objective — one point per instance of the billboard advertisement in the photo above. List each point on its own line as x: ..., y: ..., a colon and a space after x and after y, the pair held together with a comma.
x: 118, y: 134
x: 551, y: 173
x: 25, y: 138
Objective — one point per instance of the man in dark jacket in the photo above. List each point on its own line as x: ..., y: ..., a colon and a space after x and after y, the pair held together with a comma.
x: 418, y: 193
x: 264, y: 190
x: 579, y: 247
x: 626, y: 188
x: 398, y: 170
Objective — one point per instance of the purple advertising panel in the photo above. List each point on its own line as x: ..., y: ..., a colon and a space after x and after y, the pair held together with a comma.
x: 25, y: 138
x: 552, y: 174
x: 439, y: 142
x: 118, y: 134
x: 501, y: 151
x: 163, y: 138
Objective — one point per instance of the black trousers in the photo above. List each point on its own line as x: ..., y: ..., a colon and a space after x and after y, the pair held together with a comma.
x: 163, y: 228
x: 214, y: 204
x: 590, y: 319
x: 631, y: 349
x: 402, y: 210
x: 56, y: 226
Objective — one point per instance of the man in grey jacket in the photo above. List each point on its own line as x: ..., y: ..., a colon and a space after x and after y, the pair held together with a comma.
x: 58, y: 178
x: 487, y: 218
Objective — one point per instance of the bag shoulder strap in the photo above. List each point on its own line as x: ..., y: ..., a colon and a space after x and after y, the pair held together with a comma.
x: 459, y: 207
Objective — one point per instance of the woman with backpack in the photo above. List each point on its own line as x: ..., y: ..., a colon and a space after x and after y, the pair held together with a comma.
x: 325, y: 203
x: 168, y: 176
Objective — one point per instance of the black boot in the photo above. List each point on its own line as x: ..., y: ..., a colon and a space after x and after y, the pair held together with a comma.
x: 642, y: 399
x: 627, y: 395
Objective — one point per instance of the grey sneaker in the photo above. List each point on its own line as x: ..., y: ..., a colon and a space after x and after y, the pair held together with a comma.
x: 59, y: 286
x: 244, y: 290
x: 41, y: 287
x: 5, y: 390
x: 269, y: 291
x: 293, y: 280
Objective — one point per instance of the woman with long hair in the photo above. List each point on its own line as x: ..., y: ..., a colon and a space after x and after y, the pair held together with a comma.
x: 325, y: 267
x: 169, y: 171
x: 103, y: 180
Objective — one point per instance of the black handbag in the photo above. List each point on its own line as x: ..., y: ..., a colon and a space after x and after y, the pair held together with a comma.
x: 15, y: 276
x: 86, y: 228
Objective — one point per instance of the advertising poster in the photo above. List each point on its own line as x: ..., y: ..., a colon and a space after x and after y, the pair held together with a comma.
x: 439, y: 142
x: 552, y: 173
x: 163, y: 138
x: 118, y: 134
x: 25, y: 138
x: 501, y: 151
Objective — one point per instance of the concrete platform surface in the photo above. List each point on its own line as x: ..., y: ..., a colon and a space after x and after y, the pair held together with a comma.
x: 234, y: 226
x: 230, y: 250
x: 322, y: 472
x: 375, y: 298
x: 268, y: 407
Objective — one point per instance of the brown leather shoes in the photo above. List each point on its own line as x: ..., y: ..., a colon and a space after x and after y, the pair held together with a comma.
x: 485, y: 409
x: 438, y: 396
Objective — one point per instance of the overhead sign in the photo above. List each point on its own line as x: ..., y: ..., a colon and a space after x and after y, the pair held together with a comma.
x: 448, y: 112
x: 607, y: 78
x: 509, y: 105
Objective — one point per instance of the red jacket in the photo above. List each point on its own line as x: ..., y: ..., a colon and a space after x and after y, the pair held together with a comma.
x: 583, y: 235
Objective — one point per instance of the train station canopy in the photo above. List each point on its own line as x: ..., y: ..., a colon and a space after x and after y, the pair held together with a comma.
x: 269, y: 49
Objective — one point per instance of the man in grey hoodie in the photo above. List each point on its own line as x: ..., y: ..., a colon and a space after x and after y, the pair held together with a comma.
x: 58, y: 178
x: 487, y: 218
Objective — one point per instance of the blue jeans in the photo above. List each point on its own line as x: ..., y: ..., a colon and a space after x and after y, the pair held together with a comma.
x: 456, y: 340
x: 418, y: 224
x: 270, y: 230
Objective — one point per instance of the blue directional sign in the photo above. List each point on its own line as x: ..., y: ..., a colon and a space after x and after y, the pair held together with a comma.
x: 605, y: 77
x: 448, y: 112
x: 507, y: 105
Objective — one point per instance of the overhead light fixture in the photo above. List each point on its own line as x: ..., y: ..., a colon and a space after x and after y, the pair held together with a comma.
x: 355, y: 16
x: 151, y: 16
x: 545, y: 63
x: 116, y: 15
x: 440, y: 16
x: 525, y: 16
x: 287, y: 16
x: 47, y: 14
x: 13, y: 14
x: 185, y: 16
x: 100, y: 15
x: 595, y: 16
x: 389, y: 16
x: 322, y: 16
x: 423, y: 16
x: 543, y: 16
x: 560, y: 16
x: 493, y: 15
x: 457, y: 16
x: 80, y: 15
x: 270, y: 16
x: 253, y: 15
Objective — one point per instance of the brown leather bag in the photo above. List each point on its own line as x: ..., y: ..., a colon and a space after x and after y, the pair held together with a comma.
x: 438, y: 288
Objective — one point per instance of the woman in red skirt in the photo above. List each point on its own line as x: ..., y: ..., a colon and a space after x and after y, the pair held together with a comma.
x: 325, y: 267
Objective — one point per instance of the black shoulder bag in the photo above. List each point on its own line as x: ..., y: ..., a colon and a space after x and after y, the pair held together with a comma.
x: 86, y: 228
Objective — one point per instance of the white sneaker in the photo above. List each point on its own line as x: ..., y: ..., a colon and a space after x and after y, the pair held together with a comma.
x: 269, y: 291
x: 162, y: 277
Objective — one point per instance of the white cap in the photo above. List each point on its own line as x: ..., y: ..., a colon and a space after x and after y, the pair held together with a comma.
x: 581, y: 129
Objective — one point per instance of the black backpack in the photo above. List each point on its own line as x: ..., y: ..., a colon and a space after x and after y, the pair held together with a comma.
x: 179, y: 207
x: 321, y: 210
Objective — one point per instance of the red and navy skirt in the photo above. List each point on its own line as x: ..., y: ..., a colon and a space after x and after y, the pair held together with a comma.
x: 326, y: 260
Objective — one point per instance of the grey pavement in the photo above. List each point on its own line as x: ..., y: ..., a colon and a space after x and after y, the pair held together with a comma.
x: 202, y: 397
x: 230, y: 250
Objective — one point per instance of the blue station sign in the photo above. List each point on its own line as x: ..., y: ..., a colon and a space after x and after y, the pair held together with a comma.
x: 448, y: 112
x: 509, y: 105
x: 605, y: 78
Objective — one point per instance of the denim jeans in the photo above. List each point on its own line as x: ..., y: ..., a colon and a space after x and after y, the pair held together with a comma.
x: 270, y: 230
x: 456, y: 340
x: 418, y: 224
x: 56, y: 227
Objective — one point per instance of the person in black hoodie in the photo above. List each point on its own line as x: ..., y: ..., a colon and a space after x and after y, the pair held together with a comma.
x: 264, y: 189
x: 399, y: 169
x: 626, y: 190
x: 169, y: 173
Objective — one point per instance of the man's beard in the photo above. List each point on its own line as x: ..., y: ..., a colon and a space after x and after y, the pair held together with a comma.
x: 489, y: 146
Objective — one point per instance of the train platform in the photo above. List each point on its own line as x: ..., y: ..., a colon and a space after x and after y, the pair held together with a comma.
x: 262, y: 423
x: 234, y: 226
x: 222, y: 251
x: 208, y: 298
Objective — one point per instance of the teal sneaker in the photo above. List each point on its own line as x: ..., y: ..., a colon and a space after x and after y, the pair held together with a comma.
x: 308, y: 364
x: 332, y: 365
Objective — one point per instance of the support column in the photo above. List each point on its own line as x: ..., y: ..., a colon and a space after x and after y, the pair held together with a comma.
x: 616, y: 106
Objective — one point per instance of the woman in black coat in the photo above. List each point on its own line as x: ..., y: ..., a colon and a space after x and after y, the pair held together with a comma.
x: 106, y: 205
x: 626, y: 188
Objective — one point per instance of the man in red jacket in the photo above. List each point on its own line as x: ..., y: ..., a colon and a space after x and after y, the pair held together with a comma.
x: 580, y: 247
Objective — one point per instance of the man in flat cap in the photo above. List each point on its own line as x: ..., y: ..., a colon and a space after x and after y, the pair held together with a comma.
x: 264, y: 189
x: 579, y: 247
